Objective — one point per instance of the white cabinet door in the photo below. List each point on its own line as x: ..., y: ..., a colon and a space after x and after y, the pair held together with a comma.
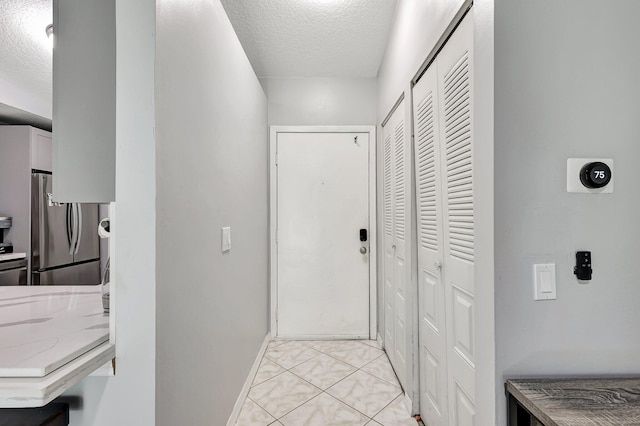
x: 445, y: 212
x: 389, y: 245
x: 431, y: 290
x: 41, y: 146
x: 84, y: 100
x: 397, y: 246
x: 455, y: 94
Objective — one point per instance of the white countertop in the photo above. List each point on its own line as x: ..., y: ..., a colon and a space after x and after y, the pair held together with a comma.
x: 50, y: 338
x: 44, y: 327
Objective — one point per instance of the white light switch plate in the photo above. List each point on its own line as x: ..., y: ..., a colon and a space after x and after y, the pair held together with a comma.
x: 574, y: 165
x: 226, y: 239
x: 544, y: 281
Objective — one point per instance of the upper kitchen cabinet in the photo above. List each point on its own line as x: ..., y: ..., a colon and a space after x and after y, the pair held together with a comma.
x: 22, y: 149
x: 84, y: 100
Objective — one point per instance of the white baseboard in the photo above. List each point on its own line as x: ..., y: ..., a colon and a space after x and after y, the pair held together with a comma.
x: 408, y: 404
x: 325, y: 337
x: 247, y: 384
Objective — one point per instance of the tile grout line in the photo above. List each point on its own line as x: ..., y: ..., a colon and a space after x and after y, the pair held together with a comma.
x: 264, y: 381
x: 344, y: 378
x: 321, y: 352
x: 383, y: 408
x: 306, y: 381
x: 265, y: 410
x: 394, y: 372
x: 288, y: 370
x: 353, y: 408
x: 294, y: 409
x: 344, y: 402
x: 345, y: 362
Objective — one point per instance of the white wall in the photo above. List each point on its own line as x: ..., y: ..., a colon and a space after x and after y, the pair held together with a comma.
x: 483, y: 177
x: 330, y: 101
x: 417, y: 27
x: 24, y: 99
x: 211, y: 172
x: 321, y: 101
x: 566, y: 86
x: 129, y: 397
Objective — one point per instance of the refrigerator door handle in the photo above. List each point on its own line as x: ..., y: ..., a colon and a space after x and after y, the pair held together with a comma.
x: 74, y: 228
x: 69, y: 230
x: 78, y: 227
x: 42, y: 217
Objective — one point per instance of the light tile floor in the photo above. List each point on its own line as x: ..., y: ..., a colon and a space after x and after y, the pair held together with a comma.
x: 325, y: 383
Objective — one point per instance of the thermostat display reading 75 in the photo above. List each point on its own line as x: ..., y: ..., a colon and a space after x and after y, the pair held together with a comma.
x: 595, y: 175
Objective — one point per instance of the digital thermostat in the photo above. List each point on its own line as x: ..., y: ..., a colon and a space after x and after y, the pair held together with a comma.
x: 590, y: 175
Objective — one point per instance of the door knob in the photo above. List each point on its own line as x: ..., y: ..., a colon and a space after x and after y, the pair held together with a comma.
x: 363, y: 250
x: 437, y: 265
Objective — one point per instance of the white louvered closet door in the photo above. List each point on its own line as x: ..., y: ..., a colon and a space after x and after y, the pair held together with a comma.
x: 389, y: 244
x: 444, y: 190
x: 455, y: 103
x: 431, y: 292
x: 397, y: 187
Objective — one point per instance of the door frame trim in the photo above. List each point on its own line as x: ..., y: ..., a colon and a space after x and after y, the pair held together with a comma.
x: 273, y: 222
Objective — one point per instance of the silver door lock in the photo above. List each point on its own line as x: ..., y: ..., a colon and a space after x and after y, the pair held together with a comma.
x: 363, y: 250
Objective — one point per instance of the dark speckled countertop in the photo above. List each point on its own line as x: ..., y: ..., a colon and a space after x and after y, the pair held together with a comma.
x: 580, y: 402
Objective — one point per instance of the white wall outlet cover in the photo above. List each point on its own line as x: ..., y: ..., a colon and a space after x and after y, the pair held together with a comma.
x: 574, y: 165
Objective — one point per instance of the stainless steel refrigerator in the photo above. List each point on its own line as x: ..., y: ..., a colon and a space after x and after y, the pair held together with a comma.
x: 65, y: 249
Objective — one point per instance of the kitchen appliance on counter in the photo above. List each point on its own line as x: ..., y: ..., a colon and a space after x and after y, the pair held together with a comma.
x: 104, y: 231
x: 13, y: 269
x: 5, y: 223
x: 65, y: 248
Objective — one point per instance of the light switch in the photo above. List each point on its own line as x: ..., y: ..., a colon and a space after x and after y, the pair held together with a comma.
x: 226, y: 239
x: 544, y: 281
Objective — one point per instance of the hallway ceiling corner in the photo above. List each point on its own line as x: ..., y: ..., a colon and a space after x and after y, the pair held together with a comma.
x: 313, y: 38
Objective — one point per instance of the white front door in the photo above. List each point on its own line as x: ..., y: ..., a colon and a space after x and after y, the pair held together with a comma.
x: 322, y: 206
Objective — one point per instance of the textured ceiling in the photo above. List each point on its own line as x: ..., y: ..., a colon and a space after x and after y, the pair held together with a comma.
x: 282, y: 38
x: 25, y: 51
x: 312, y: 38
